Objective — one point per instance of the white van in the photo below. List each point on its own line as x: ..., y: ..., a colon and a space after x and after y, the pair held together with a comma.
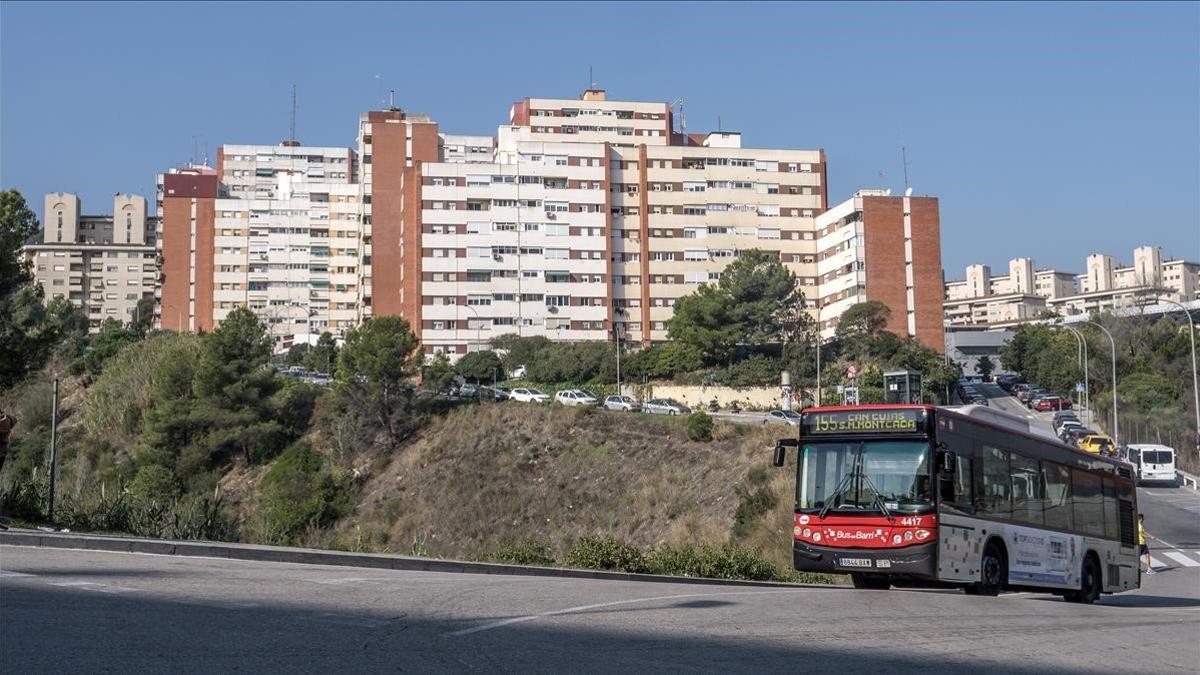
x: 1155, y: 463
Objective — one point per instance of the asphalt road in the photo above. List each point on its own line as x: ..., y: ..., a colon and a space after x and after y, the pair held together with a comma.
x: 88, y: 611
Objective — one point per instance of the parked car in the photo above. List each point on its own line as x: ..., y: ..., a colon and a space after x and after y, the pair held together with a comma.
x: 517, y: 372
x: 493, y: 394
x: 1047, y: 403
x: 625, y: 403
x: 1076, y: 434
x: 528, y: 395
x: 786, y: 416
x: 575, y: 397
x: 665, y: 406
x: 471, y: 391
x: 1097, y: 444
x: 979, y: 400
x: 1065, y: 431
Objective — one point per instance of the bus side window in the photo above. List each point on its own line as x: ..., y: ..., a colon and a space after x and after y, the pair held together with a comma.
x: 996, y: 497
x: 1058, y: 496
x: 1088, y: 502
x: 956, y: 490
x: 1028, y: 491
x: 1112, y: 519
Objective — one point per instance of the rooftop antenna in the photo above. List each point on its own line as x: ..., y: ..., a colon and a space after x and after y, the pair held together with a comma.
x: 904, y: 160
x: 591, y: 80
x: 391, y: 99
x: 682, y: 117
x: 195, y: 149
x: 293, y: 128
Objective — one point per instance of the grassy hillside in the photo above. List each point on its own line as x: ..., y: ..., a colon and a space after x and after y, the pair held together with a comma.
x: 481, y: 481
x: 488, y: 476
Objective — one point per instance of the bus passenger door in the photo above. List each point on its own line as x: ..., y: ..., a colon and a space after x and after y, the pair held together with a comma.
x: 958, y: 536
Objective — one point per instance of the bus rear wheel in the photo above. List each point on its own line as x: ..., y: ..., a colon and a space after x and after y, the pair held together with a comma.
x: 870, y: 581
x: 1090, y: 586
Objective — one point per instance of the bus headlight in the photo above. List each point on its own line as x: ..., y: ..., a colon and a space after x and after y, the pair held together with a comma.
x: 796, y: 531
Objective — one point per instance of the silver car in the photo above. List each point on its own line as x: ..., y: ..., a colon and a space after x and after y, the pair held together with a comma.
x: 622, y: 403
x: 785, y: 416
x: 665, y: 406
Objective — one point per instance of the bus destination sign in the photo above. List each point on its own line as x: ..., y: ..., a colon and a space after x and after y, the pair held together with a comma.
x: 865, y: 421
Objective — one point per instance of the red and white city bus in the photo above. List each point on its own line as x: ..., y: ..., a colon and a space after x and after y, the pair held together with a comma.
x: 970, y: 497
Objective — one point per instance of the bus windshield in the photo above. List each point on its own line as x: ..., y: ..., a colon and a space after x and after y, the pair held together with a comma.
x: 862, y: 475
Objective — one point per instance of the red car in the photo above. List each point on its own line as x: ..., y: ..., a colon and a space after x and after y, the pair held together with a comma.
x: 1052, y: 403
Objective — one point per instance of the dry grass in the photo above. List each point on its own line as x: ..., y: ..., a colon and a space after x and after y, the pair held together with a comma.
x: 486, y: 476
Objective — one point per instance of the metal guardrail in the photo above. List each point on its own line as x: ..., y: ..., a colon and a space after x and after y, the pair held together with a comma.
x: 1188, y: 480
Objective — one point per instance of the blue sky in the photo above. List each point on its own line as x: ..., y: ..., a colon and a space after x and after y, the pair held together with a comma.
x: 1050, y: 130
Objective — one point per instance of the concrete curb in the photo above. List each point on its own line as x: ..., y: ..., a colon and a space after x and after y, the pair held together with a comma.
x: 306, y: 556
x: 1188, y: 480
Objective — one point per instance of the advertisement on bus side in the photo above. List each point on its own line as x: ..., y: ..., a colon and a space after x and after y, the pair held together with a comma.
x: 1043, y: 558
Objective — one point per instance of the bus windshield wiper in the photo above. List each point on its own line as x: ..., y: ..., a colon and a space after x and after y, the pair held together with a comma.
x: 841, y: 488
x: 878, y: 499
x: 844, y: 484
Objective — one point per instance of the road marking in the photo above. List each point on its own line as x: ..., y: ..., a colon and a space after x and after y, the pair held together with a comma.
x: 583, y: 608
x: 93, y: 586
x: 1181, y: 559
x: 6, y: 573
x: 1155, y: 564
x: 346, y: 580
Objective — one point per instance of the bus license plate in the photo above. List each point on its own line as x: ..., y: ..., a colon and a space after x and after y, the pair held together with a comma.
x: 855, y: 562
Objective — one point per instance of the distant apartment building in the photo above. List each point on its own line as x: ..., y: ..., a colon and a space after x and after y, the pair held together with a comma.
x: 1025, y: 294
x: 104, y: 264
x: 876, y: 247
x: 279, y: 234
x: 577, y: 219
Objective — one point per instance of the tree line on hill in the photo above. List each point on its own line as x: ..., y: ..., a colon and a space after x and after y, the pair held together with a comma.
x: 1154, y: 384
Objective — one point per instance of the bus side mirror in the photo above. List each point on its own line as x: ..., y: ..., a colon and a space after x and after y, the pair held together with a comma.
x: 949, y: 462
x: 780, y: 453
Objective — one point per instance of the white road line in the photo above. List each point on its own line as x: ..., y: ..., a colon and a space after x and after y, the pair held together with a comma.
x: 1156, y: 564
x: 92, y: 586
x: 6, y: 573
x: 584, y: 608
x: 1181, y: 559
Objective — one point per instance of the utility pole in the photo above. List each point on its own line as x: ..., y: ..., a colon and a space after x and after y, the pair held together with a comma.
x: 53, y: 450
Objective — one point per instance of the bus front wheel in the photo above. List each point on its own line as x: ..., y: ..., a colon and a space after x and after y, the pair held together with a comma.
x: 870, y: 581
x: 993, y: 572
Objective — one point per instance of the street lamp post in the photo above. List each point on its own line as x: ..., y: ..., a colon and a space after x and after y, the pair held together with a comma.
x: 1087, y: 397
x: 1116, y: 417
x: 1195, y: 378
x: 1079, y: 358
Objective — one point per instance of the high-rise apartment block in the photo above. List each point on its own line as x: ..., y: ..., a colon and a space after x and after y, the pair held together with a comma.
x: 104, y: 264
x: 578, y: 219
x: 1025, y: 294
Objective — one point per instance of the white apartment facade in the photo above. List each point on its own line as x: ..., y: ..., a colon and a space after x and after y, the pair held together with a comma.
x: 1026, y: 294
x: 103, y: 264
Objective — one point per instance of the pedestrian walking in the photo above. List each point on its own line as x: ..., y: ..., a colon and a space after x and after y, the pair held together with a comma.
x: 1143, y: 549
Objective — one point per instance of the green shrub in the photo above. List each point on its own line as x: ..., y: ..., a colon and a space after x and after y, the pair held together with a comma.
x: 699, y: 426
x: 524, y: 552
x: 153, y: 482
x: 300, y: 491
x: 606, y: 553
x: 716, y: 562
x: 752, y: 506
x: 25, y: 497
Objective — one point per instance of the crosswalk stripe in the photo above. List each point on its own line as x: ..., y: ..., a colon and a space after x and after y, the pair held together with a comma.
x: 1155, y: 563
x: 1181, y: 559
